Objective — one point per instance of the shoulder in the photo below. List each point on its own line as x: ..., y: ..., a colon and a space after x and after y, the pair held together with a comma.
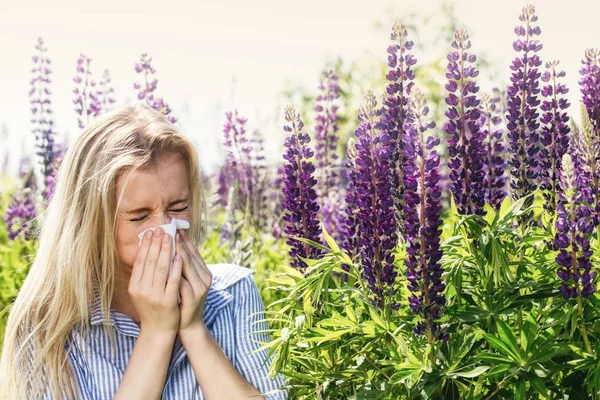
x: 226, y: 276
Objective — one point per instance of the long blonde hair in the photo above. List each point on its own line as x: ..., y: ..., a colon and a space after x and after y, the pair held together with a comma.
x: 77, y: 254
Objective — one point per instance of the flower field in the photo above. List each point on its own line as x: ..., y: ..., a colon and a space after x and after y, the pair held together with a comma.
x: 401, y: 253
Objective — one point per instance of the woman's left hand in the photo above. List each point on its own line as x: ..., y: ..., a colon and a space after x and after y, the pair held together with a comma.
x: 195, y: 282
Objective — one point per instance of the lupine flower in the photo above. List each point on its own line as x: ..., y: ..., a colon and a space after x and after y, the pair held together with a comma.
x: 555, y: 134
x: 300, y: 197
x: 223, y: 185
x: 147, y: 88
x: 590, y: 86
x: 465, y: 140
x: 350, y: 225
x: 574, y: 226
x: 20, y: 214
x: 395, y: 110
x: 277, y: 199
x: 41, y: 108
x: 423, y: 220
x: 522, y: 115
x: 328, y: 185
x: 4, y: 139
x: 587, y: 153
x: 259, y: 178
x: 105, y: 92
x: 325, y: 132
x: 50, y: 181
x: 87, y: 103
x: 238, y: 147
x: 495, y: 164
x: 375, y: 206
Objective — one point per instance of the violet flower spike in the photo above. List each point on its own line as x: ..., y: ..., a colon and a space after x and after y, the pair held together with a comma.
x: 554, y: 135
x: 300, y: 197
x: 20, y: 215
x: 105, y: 92
x: 423, y: 222
x: 587, y: 154
x: 377, y: 236
x: 351, y: 228
x: 465, y: 140
x: 395, y: 110
x: 522, y: 111
x: 590, y: 86
x: 41, y: 108
x: 239, y: 149
x: 146, y: 90
x: 574, y: 227
x: 87, y: 103
x: 495, y: 164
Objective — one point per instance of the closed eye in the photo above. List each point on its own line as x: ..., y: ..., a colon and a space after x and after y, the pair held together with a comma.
x: 140, y: 219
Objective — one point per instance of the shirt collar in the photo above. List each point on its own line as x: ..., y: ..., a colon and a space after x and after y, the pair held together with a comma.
x: 217, y: 299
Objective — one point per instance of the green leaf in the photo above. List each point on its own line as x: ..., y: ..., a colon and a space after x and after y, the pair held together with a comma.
x: 475, y: 372
x: 377, y: 318
x: 332, y: 245
x: 499, y: 345
x: 530, y: 329
x: 508, y: 338
x: 538, y: 384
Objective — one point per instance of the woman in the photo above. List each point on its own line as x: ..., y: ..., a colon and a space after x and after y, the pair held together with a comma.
x: 98, y: 316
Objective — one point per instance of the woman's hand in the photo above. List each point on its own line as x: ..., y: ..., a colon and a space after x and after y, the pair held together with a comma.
x: 153, y: 292
x: 194, y: 284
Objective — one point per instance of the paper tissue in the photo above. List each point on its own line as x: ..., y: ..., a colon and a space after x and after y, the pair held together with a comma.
x: 171, y: 229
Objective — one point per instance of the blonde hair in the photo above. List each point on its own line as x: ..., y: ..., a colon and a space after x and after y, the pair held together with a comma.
x: 77, y: 255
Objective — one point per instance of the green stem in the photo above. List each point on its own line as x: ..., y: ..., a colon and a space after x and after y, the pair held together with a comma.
x: 586, y: 340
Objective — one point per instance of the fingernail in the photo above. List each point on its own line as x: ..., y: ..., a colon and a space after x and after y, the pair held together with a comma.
x: 149, y: 234
x: 177, y: 237
x: 177, y: 257
x: 158, y: 231
x: 166, y: 238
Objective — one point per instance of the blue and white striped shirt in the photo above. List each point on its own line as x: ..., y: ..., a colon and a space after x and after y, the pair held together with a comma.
x: 232, y: 300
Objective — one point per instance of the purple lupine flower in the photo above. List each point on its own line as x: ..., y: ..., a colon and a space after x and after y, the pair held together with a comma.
x: 277, y: 199
x: 300, y: 197
x: 350, y: 225
x: 4, y: 139
x: 238, y: 152
x: 328, y: 182
x: 20, y: 215
x: 223, y: 185
x: 259, y: 178
x: 325, y: 133
x: 87, y: 103
x: 50, y: 181
x: 522, y: 116
x: 105, y: 92
x: 423, y: 220
x: 465, y: 139
x: 377, y: 235
x: 587, y: 154
x: 590, y: 86
x: 147, y: 88
x: 395, y: 110
x: 574, y: 227
x: 41, y: 108
x: 555, y: 134
x: 494, y: 161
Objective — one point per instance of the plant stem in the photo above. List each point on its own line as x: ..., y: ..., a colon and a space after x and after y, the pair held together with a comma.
x: 586, y: 340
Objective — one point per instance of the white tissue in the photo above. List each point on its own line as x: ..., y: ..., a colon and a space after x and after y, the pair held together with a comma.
x: 171, y: 229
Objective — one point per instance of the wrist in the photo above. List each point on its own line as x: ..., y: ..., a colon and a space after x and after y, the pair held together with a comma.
x: 164, y: 338
x: 196, y: 332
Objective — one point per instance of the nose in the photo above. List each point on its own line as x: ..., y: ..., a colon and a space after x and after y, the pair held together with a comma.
x: 164, y: 219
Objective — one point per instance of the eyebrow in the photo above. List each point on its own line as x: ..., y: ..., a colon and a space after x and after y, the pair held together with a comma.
x: 141, y: 209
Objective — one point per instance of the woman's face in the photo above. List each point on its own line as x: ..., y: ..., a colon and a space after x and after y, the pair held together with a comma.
x: 152, y: 197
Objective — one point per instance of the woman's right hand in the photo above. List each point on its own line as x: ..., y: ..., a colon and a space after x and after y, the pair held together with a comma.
x: 153, y: 292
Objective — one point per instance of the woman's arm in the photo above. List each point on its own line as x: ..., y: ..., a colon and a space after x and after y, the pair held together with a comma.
x: 146, y: 370
x: 215, y: 374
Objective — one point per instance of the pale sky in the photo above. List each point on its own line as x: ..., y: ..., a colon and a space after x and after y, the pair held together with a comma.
x: 213, y: 56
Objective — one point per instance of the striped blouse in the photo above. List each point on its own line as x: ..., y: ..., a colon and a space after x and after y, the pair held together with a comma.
x: 232, y: 299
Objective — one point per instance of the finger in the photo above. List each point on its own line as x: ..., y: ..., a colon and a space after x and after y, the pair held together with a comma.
x: 189, y: 272
x: 140, y: 260
x: 197, y: 260
x: 152, y: 258
x: 161, y: 272
x: 186, y: 291
x: 175, y: 278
